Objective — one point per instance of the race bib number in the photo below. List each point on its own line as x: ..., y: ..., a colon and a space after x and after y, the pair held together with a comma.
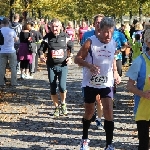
x: 57, y: 53
x: 98, y: 80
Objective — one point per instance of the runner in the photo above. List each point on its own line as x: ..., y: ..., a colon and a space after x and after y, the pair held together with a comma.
x: 82, y: 30
x: 139, y: 74
x: 122, y: 46
x: 97, y: 57
x: 59, y: 52
x: 70, y: 30
x: 86, y: 35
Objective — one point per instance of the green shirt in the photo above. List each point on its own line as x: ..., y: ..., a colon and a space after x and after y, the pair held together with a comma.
x: 136, y: 47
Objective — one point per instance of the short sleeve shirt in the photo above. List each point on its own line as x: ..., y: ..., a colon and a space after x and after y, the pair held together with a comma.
x: 9, y: 35
x: 134, y: 69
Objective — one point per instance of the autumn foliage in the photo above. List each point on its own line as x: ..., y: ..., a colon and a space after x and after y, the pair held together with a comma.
x: 76, y: 9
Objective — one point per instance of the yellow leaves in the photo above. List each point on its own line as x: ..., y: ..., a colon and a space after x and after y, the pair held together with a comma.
x: 125, y: 68
x: 9, y: 113
x: 5, y: 95
x: 131, y: 102
x: 77, y: 8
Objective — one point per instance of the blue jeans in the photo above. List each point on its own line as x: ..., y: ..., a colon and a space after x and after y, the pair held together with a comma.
x: 59, y: 72
x: 12, y: 58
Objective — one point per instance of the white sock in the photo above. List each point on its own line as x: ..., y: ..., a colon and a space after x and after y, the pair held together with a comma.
x: 63, y: 102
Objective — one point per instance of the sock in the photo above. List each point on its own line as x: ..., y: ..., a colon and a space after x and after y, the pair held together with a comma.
x: 63, y: 102
x: 109, y: 128
x: 86, y: 125
x: 99, y: 119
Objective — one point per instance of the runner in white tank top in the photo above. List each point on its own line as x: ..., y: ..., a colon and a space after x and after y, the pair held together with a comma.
x: 98, y: 105
x: 101, y: 55
x: 97, y: 58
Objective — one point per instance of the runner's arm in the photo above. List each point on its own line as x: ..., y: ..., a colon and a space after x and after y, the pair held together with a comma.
x: 123, y: 42
x: 133, y: 89
x: 114, y: 66
x: 16, y: 39
x: 43, y: 47
x: 40, y: 36
x: 79, y: 35
x: 82, y: 54
x: 83, y: 39
x: 133, y: 74
x: 70, y: 46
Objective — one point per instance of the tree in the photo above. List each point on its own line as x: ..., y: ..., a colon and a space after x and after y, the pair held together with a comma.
x: 76, y: 9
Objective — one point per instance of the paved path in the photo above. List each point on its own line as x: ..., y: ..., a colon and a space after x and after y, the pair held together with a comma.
x: 26, y: 121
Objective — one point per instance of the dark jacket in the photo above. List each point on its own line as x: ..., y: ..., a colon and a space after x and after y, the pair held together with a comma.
x: 37, y: 35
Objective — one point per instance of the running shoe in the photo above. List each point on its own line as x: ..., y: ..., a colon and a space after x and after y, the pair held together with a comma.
x: 99, y: 124
x: 84, y: 145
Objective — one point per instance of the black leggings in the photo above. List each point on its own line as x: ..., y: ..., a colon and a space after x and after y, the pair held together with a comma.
x: 24, y: 64
x: 143, y: 134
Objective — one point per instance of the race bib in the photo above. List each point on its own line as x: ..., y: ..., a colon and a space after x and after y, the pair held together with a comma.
x: 98, y: 80
x: 57, y: 53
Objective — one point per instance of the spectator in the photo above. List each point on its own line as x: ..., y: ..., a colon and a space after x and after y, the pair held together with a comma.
x: 24, y: 55
x: 8, y: 53
x: 17, y: 28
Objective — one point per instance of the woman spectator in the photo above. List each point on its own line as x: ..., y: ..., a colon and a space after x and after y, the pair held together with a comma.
x: 34, y: 53
x: 38, y: 39
x: 24, y: 55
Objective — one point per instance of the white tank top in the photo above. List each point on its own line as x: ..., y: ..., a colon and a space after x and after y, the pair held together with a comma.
x: 101, y: 55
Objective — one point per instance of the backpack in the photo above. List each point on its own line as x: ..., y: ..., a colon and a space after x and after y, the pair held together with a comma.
x: 1, y: 38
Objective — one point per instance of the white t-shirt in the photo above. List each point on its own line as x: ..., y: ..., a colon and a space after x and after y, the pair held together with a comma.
x: 9, y: 35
